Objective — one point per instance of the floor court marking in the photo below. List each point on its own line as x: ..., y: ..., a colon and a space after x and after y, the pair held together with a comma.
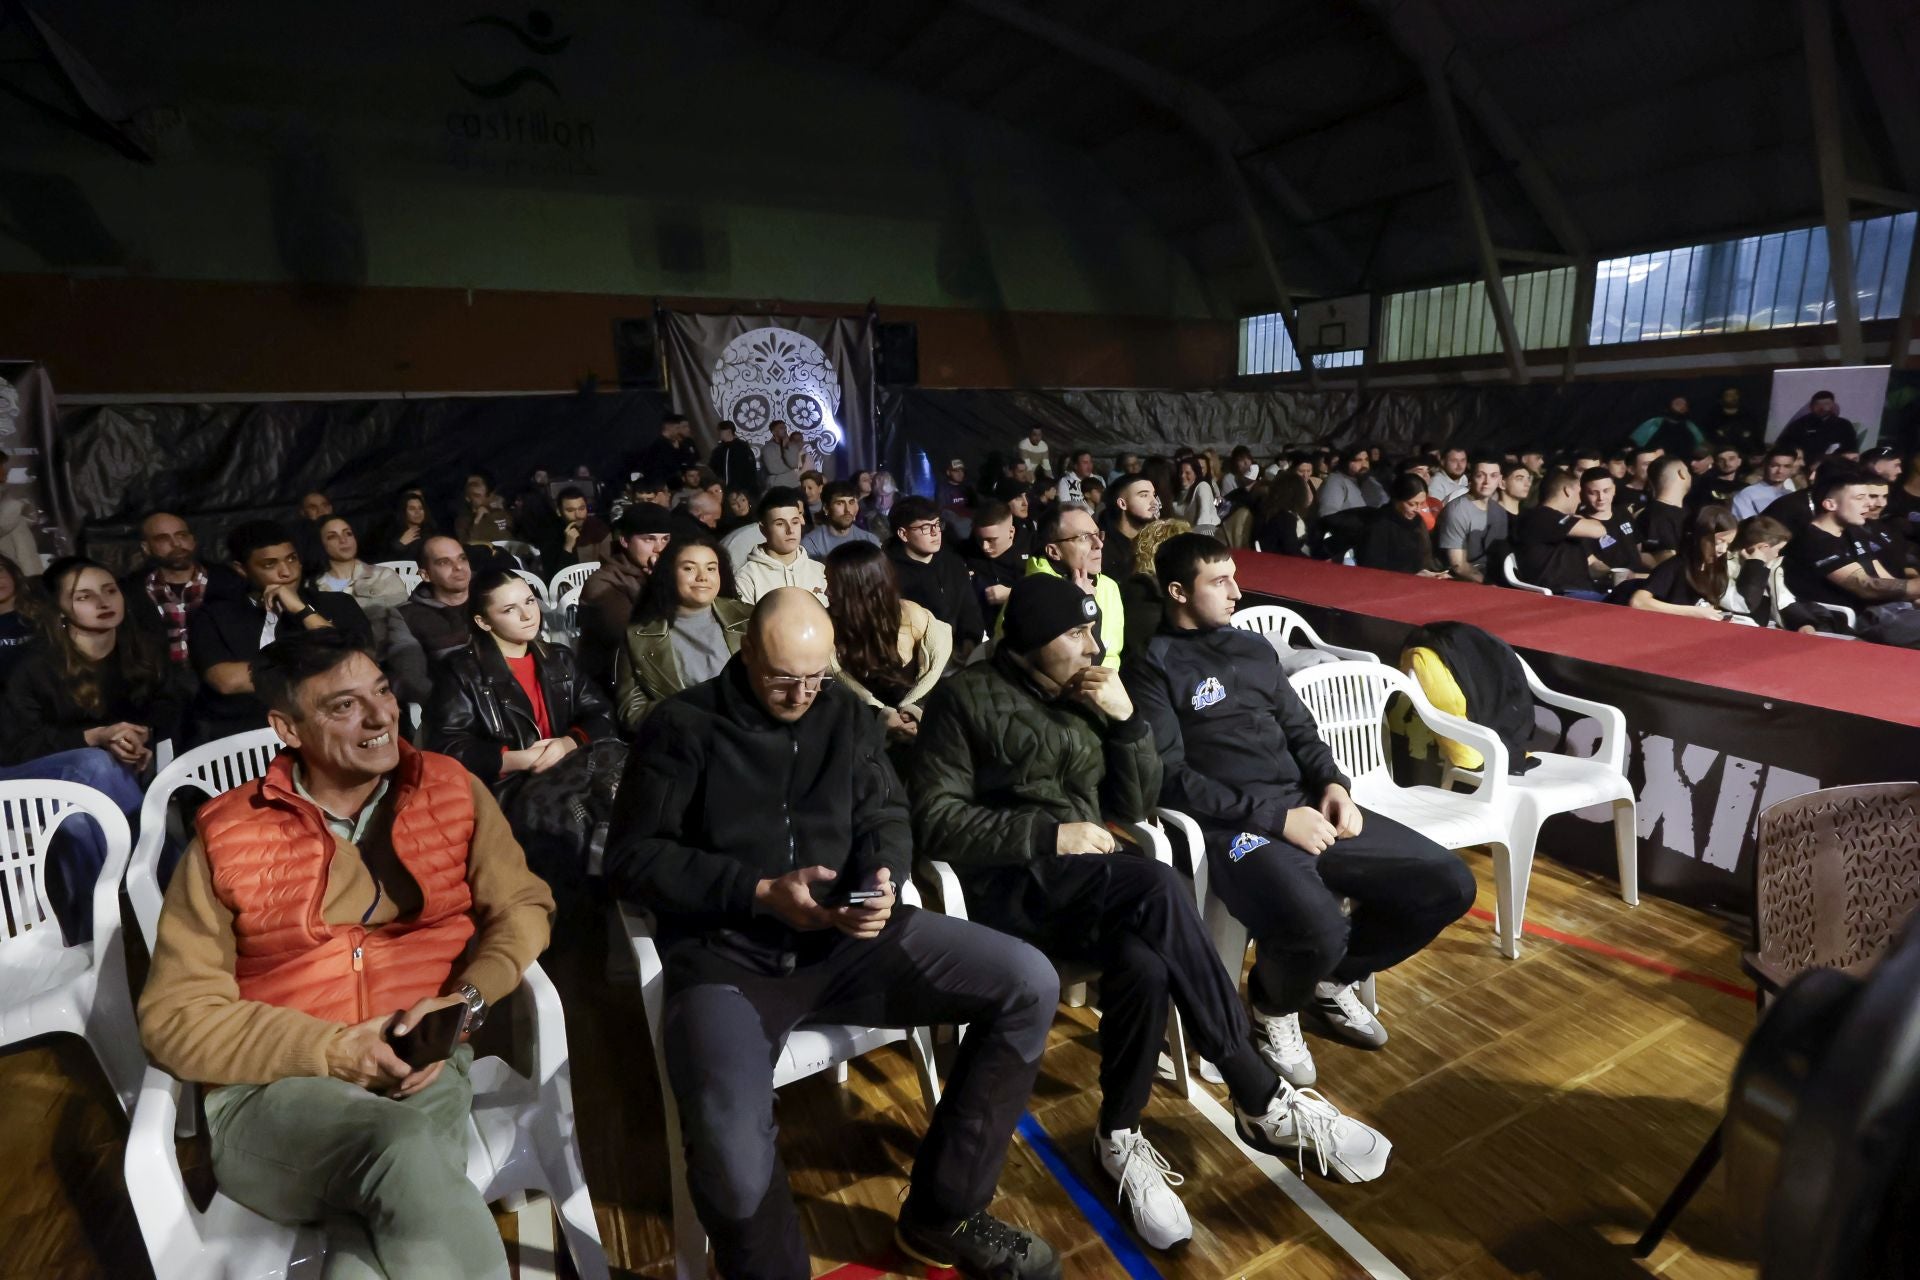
x: 1343, y: 1233
x: 1634, y: 958
x: 1092, y: 1207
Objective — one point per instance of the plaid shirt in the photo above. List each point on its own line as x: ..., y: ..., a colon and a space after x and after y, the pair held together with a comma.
x: 175, y: 602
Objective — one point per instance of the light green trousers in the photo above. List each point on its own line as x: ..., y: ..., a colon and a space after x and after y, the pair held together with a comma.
x: 386, y: 1179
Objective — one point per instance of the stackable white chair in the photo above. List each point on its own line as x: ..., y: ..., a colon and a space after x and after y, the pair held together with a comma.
x: 808, y: 1051
x: 521, y: 1138
x: 45, y: 985
x: 210, y: 768
x: 566, y: 608
x: 574, y: 576
x: 1559, y: 783
x: 538, y: 584
x: 1513, y: 575
x: 409, y: 571
x: 1285, y: 624
x: 1154, y: 843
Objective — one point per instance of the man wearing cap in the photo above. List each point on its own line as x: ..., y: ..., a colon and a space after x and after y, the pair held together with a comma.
x: 608, y: 596
x: 1072, y: 548
x: 1019, y: 763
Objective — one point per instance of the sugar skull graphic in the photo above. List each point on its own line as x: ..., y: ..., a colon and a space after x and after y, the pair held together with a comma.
x: 9, y: 408
x: 772, y: 373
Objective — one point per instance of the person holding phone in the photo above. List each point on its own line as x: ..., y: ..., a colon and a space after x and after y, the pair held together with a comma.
x: 763, y: 827
x: 356, y: 880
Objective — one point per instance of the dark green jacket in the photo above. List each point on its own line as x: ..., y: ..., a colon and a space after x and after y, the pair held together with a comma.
x: 646, y: 672
x: 996, y: 769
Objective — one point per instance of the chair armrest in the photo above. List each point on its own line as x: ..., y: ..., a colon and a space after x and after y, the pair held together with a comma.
x: 106, y: 888
x: 1189, y: 831
x: 1841, y: 611
x: 952, y: 901
x: 1339, y: 651
x: 1493, y: 752
x: 1152, y: 840
x: 1612, y: 750
x: 549, y: 1024
x: 152, y: 1169
x: 646, y: 962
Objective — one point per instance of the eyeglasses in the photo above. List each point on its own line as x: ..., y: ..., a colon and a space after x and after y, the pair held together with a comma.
x: 923, y: 527
x: 1096, y: 538
x: 795, y: 684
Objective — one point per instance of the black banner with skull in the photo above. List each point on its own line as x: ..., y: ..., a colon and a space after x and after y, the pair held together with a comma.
x: 814, y: 373
x: 31, y: 495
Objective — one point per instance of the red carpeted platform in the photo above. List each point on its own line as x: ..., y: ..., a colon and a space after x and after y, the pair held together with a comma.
x: 1852, y: 677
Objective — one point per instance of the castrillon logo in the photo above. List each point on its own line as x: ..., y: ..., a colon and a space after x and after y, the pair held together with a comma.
x: 490, y: 138
x: 537, y: 37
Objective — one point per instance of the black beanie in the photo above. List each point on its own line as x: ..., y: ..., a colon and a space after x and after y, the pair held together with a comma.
x: 1041, y: 608
x: 643, y: 517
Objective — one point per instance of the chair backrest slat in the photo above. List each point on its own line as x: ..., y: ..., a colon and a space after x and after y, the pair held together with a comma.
x: 1349, y: 703
x: 1838, y: 872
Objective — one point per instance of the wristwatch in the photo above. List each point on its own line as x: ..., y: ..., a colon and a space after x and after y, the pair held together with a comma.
x: 476, y: 1004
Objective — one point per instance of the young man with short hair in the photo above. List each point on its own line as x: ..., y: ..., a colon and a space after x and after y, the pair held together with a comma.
x: 1638, y: 486
x: 1550, y: 541
x: 753, y: 803
x: 783, y: 457
x: 1452, y: 480
x: 577, y: 537
x: 780, y: 560
x: 1774, y: 484
x: 608, y: 597
x: 436, y: 612
x: 1820, y: 430
x: 733, y: 460
x: 1035, y: 452
x: 993, y: 562
x: 1020, y: 764
x: 356, y: 878
x: 315, y: 506
x: 1132, y: 504
x: 1518, y: 487
x: 931, y: 575
x: 1830, y: 562
x: 1618, y: 546
x: 1285, y: 842
x: 1071, y: 486
x: 1722, y: 483
x: 1663, y: 520
x: 838, y: 525
x: 1473, y: 522
x: 241, y: 616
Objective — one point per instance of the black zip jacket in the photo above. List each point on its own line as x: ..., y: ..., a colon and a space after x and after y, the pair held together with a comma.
x: 719, y: 795
x: 478, y: 708
x: 943, y: 588
x: 1239, y: 747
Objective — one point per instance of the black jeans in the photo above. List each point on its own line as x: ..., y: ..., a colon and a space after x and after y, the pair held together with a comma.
x: 1405, y: 890
x: 1135, y: 920
x: 726, y: 1020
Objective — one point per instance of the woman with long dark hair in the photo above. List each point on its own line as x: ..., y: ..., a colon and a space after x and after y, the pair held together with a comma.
x: 379, y: 592
x: 1284, y: 520
x: 686, y: 625
x: 1196, y: 500
x: 411, y: 525
x: 517, y: 712
x: 88, y: 705
x: 1696, y: 583
x: 889, y: 652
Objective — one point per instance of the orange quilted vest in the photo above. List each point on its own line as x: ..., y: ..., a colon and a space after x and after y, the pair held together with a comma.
x: 269, y: 851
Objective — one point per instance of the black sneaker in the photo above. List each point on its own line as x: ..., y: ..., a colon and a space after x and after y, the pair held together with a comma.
x: 982, y: 1248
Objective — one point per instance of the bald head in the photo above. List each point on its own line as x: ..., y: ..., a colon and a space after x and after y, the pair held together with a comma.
x: 705, y: 508
x: 166, y: 538
x: 788, y: 647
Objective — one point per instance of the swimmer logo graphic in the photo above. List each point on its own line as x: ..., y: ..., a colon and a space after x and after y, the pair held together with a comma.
x: 1243, y: 844
x: 772, y: 373
x: 1207, y: 693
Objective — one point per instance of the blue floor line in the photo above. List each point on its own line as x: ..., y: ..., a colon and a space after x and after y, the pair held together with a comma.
x: 1092, y: 1207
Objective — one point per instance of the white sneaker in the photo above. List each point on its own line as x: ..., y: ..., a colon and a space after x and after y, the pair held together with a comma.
x: 1339, y: 1013
x: 1283, y: 1048
x: 1146, y: 1187
x: 1301, y: 1119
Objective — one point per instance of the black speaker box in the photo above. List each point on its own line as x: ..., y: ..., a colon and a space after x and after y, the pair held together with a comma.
x: 635, y: 354
x: 896, y: 354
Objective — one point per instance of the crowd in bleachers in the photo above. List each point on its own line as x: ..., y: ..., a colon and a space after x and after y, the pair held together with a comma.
x: 752, y: 700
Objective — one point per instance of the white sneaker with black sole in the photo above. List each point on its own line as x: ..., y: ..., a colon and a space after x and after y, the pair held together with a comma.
x: 1299, y: 1121
x: 1146, y: 1187
x: 1283, y: 1048
x: 1338, y: 1013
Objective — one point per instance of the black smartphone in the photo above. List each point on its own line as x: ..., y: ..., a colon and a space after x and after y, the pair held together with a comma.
x: 432, y: 1039
x: 859, y: 896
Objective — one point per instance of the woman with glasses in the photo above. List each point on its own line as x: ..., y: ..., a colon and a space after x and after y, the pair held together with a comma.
x: 888, y: 652
x: 517, y: 712
x: 686, y: 625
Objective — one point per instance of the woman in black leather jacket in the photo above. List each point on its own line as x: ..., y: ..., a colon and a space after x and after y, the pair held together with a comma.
x: 516, y: 711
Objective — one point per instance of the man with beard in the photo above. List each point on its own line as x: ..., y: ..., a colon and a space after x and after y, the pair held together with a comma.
x: 174, y: 582
x: 1132, y: 504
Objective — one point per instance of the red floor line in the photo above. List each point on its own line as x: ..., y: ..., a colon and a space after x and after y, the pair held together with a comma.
x: 894, y: 1264
x: 1612, y: 952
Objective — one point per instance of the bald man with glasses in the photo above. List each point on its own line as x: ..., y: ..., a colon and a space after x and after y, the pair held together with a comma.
x: 753, y: 805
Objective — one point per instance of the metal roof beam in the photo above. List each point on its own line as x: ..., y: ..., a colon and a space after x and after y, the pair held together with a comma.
x: 1823, y: 89
x: 1448, y: 122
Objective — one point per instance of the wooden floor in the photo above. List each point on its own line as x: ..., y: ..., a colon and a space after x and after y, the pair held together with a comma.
x: 1539, y: 1110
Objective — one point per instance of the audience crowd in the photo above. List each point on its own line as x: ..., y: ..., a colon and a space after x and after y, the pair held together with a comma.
x: 772, y: 695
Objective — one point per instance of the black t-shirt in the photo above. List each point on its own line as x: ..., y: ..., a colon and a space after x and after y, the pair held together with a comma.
x: 1713, y: 488
x: 1663, y: 527
x: 1631, y: 500
x: 1903, y: 515
x: 1817, y: 437
x: 1668, y: 584
x: 1814, y: 553
x: 16, y: 634
x: 1794, y: 510
x: 1619, y: 546
x: 1392, y: 543
x: 1546, y: 552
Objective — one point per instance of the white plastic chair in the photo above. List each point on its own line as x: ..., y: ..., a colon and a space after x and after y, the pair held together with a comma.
x: 210, y: 768
x: 520, y: 1139
x: 1153, y: 841
x: 573, y: 576
x: 1512, y: 567
x: 566, y: 608
x: 45, y: 985
x: 808, y: 1051
x: 1560, y: 783
x: 539, y: 586
x: 1273, y: 620
x: 409, y: 571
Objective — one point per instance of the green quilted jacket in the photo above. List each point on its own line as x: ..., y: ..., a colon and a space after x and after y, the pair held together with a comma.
x: 996, y: 769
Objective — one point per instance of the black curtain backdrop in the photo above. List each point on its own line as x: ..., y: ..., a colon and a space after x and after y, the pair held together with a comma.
x: 221, y: 464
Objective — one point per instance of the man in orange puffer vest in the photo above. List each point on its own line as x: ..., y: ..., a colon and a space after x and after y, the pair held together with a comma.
x: 357, y: 879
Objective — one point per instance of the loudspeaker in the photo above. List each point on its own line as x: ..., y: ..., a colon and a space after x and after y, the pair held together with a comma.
x: 636, y: 355
x: 896, y: 354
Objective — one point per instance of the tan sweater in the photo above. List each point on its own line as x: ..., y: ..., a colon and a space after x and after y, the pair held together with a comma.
x: 196, y: 1026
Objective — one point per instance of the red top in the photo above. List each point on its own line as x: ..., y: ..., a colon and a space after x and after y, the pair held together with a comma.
x: 529, y: 678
